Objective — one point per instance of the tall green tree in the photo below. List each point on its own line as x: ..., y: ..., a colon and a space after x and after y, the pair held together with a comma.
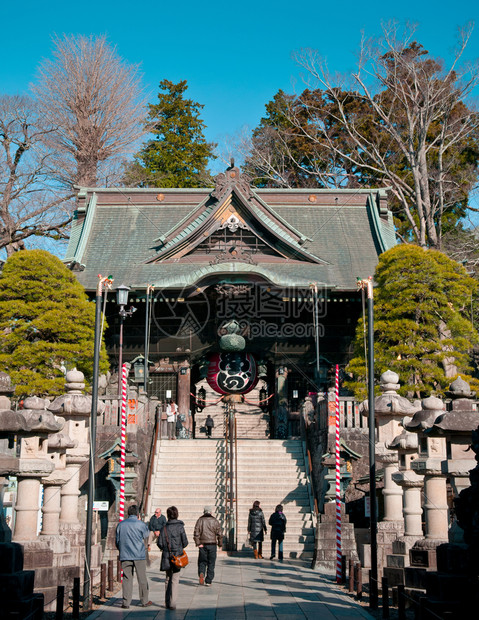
x: 46, y: 322
x: 402, y: 120
x: 421, y: 137
x: 422, y: 326
x: 178, y: 155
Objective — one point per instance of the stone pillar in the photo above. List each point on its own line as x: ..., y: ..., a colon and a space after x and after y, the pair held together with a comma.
x: 26, y: 509
x: 51, y: 510
x: 393, y: 494
x: 71, y: 490
x: 435, y: 506
x: 184, y: 388
x: 281, y: 404
x: 412, y: 508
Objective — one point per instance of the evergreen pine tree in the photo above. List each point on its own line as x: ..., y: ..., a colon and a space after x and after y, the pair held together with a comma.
x: 178, y: 154
x: 422, y: 326
x: 46, y: 321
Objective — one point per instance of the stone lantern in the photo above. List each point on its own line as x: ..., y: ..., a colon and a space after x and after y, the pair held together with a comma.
x: 389, y: 410
x: 406, y: 445
x: 75, y: 407
x: 456, y: 426
x: 52, y: 484
x: 34, y: 464
x: 432, y: 453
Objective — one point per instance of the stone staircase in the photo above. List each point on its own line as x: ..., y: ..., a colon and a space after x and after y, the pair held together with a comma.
x: 191, y: 474
x: 251, y: 422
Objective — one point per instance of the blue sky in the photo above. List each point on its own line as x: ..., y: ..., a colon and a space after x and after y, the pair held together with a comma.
x: 235, y: 56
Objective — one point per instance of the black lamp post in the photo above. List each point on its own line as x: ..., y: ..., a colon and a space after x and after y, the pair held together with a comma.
x: 102, y: 283
x: 122, y: 300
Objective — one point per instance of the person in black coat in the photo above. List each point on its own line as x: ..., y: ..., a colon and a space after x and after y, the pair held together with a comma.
x: 172, y: 541
x: 256, y: 529
x: 278, y: 527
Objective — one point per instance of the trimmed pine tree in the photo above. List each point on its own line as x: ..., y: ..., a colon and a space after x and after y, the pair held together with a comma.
x: 46, y: 322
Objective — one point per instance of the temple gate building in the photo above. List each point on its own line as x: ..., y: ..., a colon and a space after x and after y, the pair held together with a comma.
x: 282, y: 263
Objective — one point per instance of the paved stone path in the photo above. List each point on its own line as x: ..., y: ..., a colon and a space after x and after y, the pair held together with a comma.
x: 243, y: 589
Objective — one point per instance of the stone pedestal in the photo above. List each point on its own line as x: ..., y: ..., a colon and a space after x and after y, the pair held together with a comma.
x: 325, y: 552
x: 19, y: 600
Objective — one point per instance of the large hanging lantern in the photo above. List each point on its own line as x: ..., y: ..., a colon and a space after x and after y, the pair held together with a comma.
x: 232, y: 372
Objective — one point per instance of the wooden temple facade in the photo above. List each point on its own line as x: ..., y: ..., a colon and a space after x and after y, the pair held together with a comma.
x: 282, y: 263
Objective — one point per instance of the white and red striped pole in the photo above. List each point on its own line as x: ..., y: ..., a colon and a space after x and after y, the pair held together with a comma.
x: 124, y: 384
x: 338, y: 487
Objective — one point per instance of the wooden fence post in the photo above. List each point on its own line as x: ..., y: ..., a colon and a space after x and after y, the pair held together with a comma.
x: 343, y: 569
x: 110, y: 575
x: 103, y: 581
x: 359, y: 581
x: 76, y: 598
x: 401, y: 603
x: 351, y: 575
x: 385, y: 597
x: 60, y: 602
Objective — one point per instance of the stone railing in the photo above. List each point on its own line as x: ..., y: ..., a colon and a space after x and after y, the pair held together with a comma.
x: 349, y: 415
x: 139, y: 411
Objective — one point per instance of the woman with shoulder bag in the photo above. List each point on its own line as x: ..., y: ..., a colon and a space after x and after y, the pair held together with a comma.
x: 172, y: 541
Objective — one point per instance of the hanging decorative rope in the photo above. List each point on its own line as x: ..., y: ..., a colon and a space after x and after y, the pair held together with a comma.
x: 258, y: 404
x: 210, y: 402
x: 124, y: 383
x: 338, y: 486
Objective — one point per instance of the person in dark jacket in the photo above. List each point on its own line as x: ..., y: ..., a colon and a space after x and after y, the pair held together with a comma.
x: 256, y: 529
x: 131, y: 535
x: 209, y: 424
x: 207, y: 535
x: 172, y: 541
x: 155, y: 526
x: 278, y: 527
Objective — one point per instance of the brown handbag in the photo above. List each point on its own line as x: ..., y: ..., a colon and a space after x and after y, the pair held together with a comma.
x: 180, y: 561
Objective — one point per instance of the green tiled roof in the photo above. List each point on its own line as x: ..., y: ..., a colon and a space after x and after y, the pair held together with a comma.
x: 120, y: 236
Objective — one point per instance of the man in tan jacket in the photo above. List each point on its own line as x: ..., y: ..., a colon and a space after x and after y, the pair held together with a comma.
x: 207, y: 535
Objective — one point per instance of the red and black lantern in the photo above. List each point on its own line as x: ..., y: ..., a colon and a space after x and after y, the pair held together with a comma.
x: 234, y: 372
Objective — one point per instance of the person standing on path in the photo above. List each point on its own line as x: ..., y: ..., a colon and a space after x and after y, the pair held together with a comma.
x: 172, y: 541
x: 207, y: 535
x: 278, y: 527
x: 131, y: 537
x: 209, y: 424
x: 256, y: 529
x: 155, y: 526
x: 171, y: 419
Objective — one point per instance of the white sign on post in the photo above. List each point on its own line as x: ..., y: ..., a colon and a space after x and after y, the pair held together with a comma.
x: 101, y: 505
x: 168, y: 393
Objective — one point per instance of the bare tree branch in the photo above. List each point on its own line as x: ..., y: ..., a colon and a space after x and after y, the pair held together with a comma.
x: 93, y: 100
x: 30, y: 203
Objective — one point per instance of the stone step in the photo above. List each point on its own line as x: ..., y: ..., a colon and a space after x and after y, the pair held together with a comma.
x: 250, y: 445
x: 191, y: 474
